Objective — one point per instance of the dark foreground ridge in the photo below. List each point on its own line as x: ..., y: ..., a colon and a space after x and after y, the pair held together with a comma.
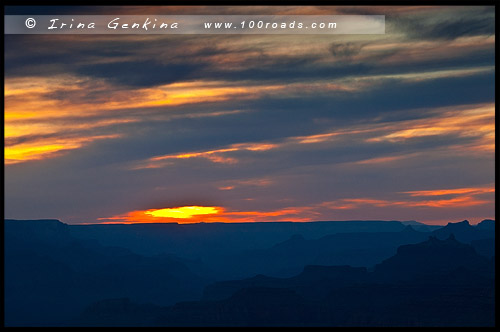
x: 459, y: 293
x: 63, y: 275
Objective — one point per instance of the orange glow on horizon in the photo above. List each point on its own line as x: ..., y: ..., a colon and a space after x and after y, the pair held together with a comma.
x: 465, y: 197
x: 209, y: 214
x: 183, y: 212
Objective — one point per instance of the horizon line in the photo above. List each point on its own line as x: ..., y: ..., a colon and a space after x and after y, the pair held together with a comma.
x: 244, y: 222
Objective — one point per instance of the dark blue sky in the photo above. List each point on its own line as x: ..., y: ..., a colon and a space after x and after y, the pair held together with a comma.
x: 111, y: 128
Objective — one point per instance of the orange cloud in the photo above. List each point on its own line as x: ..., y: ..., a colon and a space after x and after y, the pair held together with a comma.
x: 458, y: 202
x: 319, y: 138
x: 226, y: 188
x: 57, y: 105
x: 33, y: 104
x: 477, y: 121
x: 383, y: 160
x: 450, y: 191
x: 40, y: 98
x: 54, y: 106
x: 47, y: 148
x: 464, y: 197
x: 216, y: 156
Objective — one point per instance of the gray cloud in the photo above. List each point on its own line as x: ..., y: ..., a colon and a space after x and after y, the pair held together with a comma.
x: 345, y: 50
x: 142, y: 73
x: 462, y: 22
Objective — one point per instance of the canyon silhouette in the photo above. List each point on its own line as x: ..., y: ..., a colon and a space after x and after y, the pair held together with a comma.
x: 331, y: 273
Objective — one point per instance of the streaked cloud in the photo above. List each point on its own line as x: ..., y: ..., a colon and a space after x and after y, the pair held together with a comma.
x: 441, y: 192
x: 477, y: 123
x: 47, y: 148
x: 459, y: 198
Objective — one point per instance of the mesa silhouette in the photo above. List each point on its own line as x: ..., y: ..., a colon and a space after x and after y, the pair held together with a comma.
x: 339, y: 273
x: 458, y: 293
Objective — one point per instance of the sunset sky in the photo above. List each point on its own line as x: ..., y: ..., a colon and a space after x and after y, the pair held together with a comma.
x: 243, y: 128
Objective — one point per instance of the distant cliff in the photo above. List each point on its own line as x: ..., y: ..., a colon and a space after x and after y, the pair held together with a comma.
x: 457, y: 291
